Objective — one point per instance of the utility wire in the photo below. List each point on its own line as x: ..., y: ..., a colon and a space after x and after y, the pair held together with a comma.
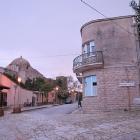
x: 93, y: 8
x: 57, y: 55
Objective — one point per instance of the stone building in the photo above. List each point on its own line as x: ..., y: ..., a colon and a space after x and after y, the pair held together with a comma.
x: 108, y: 64
x: 52, y: 96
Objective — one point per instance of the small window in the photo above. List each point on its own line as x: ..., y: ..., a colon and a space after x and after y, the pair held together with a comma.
x: 94, y: 83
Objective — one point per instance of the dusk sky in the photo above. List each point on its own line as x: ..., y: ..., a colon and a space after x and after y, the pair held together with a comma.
x: 47, y: 32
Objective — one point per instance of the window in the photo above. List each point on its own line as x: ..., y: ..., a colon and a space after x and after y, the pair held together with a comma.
x: 90, y: 85
x: 89, y: 47
x: 92, y: 47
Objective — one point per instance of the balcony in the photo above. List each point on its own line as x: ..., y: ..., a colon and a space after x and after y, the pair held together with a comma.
x: 88, y: 61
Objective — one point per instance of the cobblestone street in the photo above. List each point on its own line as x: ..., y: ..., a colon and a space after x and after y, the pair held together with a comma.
x: 58, y: 125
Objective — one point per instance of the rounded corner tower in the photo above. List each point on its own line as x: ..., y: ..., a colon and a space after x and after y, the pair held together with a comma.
x: 108, y: 64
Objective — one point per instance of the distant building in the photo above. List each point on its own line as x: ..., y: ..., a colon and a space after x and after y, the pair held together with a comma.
x: 15, y: 94
x: 23, y: 68
x: 53, y: 96
x: 107, y: 66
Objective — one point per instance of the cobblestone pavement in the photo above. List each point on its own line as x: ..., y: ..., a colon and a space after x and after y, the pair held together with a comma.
x: 59, y: 126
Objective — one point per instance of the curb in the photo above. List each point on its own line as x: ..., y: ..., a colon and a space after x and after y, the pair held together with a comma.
x: 38, y: 107
x: 31, y: 109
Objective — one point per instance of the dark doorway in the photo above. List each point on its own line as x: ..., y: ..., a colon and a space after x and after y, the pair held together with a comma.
x: 3, y: 99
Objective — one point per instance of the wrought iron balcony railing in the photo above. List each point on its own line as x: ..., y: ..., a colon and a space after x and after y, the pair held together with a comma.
x: 87, y: 61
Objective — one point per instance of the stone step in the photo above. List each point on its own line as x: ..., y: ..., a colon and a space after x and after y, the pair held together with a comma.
x: 90, y: 105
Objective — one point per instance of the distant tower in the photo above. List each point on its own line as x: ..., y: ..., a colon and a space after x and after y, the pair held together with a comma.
x: 22, y: 68
x: 19, y: 65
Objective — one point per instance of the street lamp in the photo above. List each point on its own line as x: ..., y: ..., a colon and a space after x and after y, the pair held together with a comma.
x: 56, y: 89
x: 72, y: 90
x: 19, y: 80
x: 17, y: 108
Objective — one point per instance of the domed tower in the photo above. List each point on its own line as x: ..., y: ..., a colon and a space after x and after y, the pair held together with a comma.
x: 23, y: 68
x: 19, y: 64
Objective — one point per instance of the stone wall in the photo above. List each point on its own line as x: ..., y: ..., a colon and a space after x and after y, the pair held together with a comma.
x: 15, y: 95
x: 110, y: 93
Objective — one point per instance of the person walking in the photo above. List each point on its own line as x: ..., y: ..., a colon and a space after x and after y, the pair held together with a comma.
x: 79, y: 100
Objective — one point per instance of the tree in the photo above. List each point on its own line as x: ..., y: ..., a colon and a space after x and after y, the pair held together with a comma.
x: 38, y: 84
x: 62, y: 95
x: 61, y: 81
x: 136, y: 7
x: 28, y: 84
x: 73, y: 85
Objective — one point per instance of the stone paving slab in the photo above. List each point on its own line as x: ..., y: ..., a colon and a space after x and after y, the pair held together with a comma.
x: 98, y: 126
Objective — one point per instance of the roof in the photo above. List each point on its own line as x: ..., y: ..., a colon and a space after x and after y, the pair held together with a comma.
x: 3, y: 87
x: 106, y: 19
x: 20, y: 62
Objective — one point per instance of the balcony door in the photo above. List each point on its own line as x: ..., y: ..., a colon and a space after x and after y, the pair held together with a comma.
x: 90, y: 86
x: 89, y: 48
